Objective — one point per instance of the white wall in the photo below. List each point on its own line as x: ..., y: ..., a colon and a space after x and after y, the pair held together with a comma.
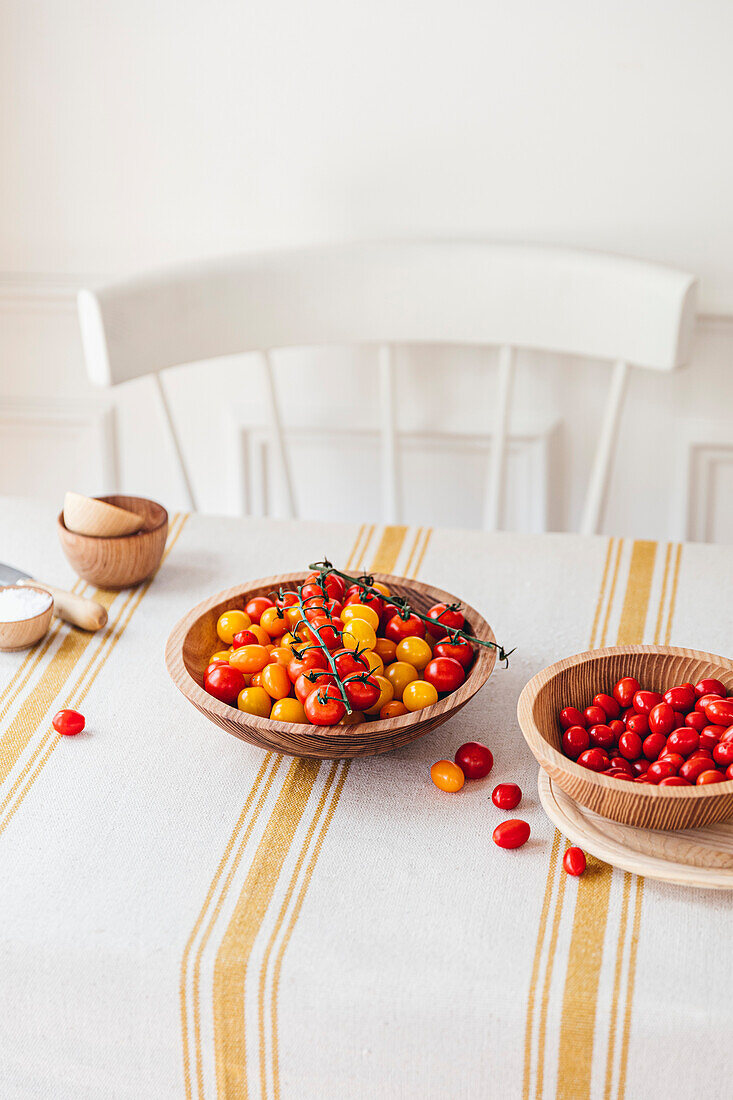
x: 140, y: 133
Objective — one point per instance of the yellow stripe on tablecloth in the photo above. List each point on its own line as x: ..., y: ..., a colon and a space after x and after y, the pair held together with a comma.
x: 575, y: 1055
x: 673, y: 599
x: 385, y: 561
x: 617, y: 976
x: 230, y: 968
x: 631, y: 978
x: 363, y: 537
x: 110, y: 640
x: 609, y: 605
x: 553, y: 868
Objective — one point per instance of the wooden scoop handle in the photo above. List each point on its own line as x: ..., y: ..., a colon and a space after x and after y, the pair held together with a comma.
x: 77, y: 610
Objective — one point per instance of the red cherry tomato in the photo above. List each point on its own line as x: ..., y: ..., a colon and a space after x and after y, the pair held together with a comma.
x: 595, y: 759
x: 729, y: 772
x: 506, y: 796
x: 324, y: 706
x: 474, y: 759
x: 674, y: 781
x: 602, y: 736
x: 312, y: 658
x: 712, y: 776
x: 660, y: 769
x: 720, y: 712
x: 709, y: 737
x: 696, y: 721
x: 569, y: 716
x: 398, y: 628
x: 640, y: 767
x: 224, y: 683
x: 574, y: 861
x: 369, y: 599
x: 595, y: 716
x: 444, y: 674
x: 728, y: 735
x: 511, y: 834
x: 575, y: 740
x: 329, y: 631
x: 460, y: 651
x: 653, y: 745
x: 68, y: 722
x: 673, y: 758
x: 617, y: 727
x: 443, y: 617
x: 625, y: 690
x: 313, y: 678
x: 723, y: 754
x: 347, y: 662
x: 661, y: 719
x: 683, y: 740
x: 256, y: 606
x: 244, y: 637
x: 629, y: 745
x: 645, y: 700
x: 708, y: 687
x: 682, y: 698
x: 703, y: 701
x: 638, y: 723
x: 334, y: 586
x: 608, y: 704
x: 362, y: 691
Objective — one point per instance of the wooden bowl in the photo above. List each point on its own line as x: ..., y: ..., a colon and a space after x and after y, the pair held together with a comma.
x: 193, y: 640
x: 574, y: 682
x: 123, y: 560
x: 26, y: 632
x: 91, y: 516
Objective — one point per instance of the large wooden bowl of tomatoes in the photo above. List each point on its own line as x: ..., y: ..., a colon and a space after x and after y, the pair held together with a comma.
x: 639, y: 734
x: 326, y: 665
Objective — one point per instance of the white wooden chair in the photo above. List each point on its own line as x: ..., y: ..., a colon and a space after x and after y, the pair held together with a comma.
x: 631, y: 313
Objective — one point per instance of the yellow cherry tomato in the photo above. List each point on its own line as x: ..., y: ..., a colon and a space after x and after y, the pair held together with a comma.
x: 447, y: 775
x: 249, y: 658
x: 415, y: 651
x: 386, y: 649
x: 230, y: 623
x: 354, y: 719
x: 273, y: 621
x: 382, y: 588
x: 220, y: 655
x: 386, y: 694
x: 419, y: 694
x: 287, y: 642
x: 256, y: 680
x: 288, y: 710
x: 358, y: 634
x: 393, y: 710
x: 255, y: 700
x: 360, y: 611
x: 376, y: 664
x: 400, y: 674
x: 263, y: 638
x: 275, y: 681
x: 280, y: 655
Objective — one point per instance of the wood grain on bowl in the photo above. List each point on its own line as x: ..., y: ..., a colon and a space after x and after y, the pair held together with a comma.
x: 573, y: 682
x: 194, y: 639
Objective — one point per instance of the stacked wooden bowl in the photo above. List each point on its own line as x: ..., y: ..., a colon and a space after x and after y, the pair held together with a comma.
x: 194, y: 639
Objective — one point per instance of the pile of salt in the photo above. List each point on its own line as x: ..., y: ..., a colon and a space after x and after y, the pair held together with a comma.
x: 17, y: 604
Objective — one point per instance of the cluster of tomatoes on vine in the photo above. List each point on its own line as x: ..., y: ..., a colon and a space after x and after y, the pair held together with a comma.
x: 337, y: 650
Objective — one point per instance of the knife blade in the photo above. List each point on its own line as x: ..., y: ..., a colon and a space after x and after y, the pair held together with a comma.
x: 77, y: 610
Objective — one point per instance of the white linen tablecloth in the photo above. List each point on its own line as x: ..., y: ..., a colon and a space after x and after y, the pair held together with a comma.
x: 186, y: 916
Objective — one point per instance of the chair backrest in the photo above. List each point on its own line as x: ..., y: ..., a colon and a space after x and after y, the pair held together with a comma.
x: 508, y: 296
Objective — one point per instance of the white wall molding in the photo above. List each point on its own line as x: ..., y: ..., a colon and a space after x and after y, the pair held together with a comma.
x: 704, y: 480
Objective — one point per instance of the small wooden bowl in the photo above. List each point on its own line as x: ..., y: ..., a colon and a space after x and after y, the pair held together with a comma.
x: 26, y: 632
x: 91, y: 516
x: 194, y: 638
x: 574, y: 682
x: 124, y: 560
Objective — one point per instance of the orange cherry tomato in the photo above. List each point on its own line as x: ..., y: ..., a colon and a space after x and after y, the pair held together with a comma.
x: 281, y: 655
x: 275, y: 681
x: 255, y: 700
x: 249, y: 658
x: 386, y: 694
x: 393, y: 709
x: 400, y: 674
x: 288, y: 710
x: 263, y: 638
x: 447, y: 776
x: 354, y: 719
x: 386, y: 649
x: 273, y: 621
x: 419, y: 694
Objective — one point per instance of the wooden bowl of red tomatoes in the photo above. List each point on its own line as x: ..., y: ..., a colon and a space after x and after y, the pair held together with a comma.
x: 639, y: 734
x: 330, y: 666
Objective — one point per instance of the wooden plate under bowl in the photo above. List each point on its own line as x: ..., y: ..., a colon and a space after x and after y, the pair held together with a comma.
x: 193, y: 640
x: 574, y: 682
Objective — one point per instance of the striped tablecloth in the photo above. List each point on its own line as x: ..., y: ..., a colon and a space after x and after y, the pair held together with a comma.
x: 185, y: 916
